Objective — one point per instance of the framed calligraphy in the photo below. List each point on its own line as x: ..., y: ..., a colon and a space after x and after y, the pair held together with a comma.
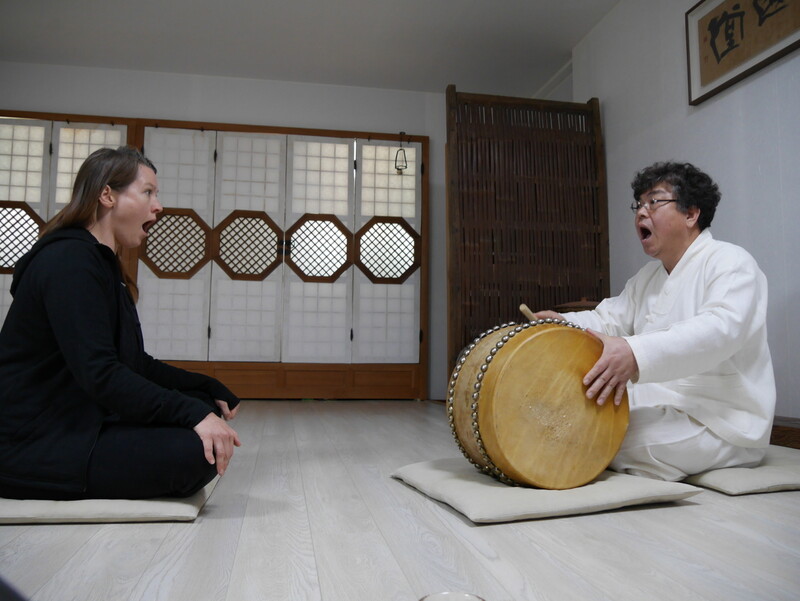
x: 728, y: 40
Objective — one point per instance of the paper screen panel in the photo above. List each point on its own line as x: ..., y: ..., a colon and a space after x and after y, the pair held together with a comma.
x: 386, y: 315
x: 24, y: 177
x: 250, y: 174
x: 24, y: 169
x: 381, y: 190
x: 245, y: 318
x: 72, y: 144
x: 174, y: 315
x: 386, y: 321
x: 320, y: 171
x: 185, y: 163
x: 245, y: 314
x: 5, y: 295
x: 174, y: 312
x: 24, y: 162
x: 317, y: 318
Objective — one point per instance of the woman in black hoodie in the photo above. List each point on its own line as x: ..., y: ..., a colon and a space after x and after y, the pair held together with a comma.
x: 84, y: 411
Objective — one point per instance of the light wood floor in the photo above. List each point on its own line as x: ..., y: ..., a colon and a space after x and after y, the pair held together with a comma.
x: 307, y: 511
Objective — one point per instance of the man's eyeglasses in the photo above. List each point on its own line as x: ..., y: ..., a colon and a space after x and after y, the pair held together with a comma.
x: 651, y: 205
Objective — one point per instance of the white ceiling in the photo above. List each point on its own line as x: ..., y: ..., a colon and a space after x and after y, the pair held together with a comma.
x: 507, y: 47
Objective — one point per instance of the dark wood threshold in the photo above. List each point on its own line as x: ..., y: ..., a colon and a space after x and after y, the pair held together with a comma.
x: 315, y: 380
x: 785, y: 436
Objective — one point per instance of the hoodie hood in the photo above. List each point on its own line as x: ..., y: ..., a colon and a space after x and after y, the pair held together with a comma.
x: 67, y: 233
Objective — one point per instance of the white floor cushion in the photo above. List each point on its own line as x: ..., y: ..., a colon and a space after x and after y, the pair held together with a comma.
x: 482, y: 499
x: 13, y: 511
x: 780, y: 470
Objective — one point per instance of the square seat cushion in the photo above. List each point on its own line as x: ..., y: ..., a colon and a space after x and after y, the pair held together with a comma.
x: 29, y: 511
x: 779, y: 470
x: 481, y: 498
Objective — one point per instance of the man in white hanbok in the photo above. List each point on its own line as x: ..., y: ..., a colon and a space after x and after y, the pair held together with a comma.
x: 687, y: 337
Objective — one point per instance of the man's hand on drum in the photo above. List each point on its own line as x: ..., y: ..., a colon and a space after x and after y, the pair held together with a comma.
x: 615, y: 367
x: 548, y: 315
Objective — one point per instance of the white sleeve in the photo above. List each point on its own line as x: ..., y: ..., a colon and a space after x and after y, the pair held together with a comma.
x: 614, y: 316
x: 731, y: 309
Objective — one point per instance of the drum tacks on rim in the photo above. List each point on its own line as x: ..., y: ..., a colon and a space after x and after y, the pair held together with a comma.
x: 518, y: 409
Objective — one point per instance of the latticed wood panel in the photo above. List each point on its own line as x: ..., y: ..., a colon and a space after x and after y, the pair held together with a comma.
x: 387, y: 250
x: 320, y: 248
x: 526, y: 209
x: 19, y: 230
x: 177, y: 245
x: 248, y: 245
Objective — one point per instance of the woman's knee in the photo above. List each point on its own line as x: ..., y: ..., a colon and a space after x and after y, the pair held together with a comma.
x: 188, y: 469
x: 148, y: 461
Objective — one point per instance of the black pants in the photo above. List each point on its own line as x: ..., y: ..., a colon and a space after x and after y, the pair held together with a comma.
x: 137, y: 462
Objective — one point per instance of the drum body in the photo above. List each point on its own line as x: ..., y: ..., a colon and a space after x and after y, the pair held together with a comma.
x: 518, y: 408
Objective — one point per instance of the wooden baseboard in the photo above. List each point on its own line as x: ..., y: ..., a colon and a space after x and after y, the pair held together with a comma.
x: 315, y: 380
x: 788, y: 422
x: 785, y: 436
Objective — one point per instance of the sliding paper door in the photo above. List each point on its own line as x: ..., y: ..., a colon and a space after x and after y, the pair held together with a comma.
x: 247, y: 274
x: 318, y: 278
x: 386, y: 293
x: 175, y: 280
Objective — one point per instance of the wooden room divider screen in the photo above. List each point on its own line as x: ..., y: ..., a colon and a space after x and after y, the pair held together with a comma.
x: 288, y: 263
x: 526, y: 210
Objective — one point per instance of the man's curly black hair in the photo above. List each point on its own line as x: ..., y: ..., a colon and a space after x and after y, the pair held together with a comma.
x: 692, y: 187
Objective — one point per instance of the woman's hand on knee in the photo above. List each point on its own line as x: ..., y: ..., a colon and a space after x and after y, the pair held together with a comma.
x: 218, y: 440
x: 227, y: 413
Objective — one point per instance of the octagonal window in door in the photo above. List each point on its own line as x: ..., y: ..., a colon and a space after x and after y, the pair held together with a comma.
x: 319, y: 248
x: 387, y: 250
x: 249, y: 245
x: 177, y: 245
x: 19, y: 230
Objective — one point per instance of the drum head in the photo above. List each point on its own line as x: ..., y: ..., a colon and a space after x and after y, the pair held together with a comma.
x: 538, y: 427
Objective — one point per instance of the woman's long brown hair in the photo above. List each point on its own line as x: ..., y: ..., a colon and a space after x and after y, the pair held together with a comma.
x: 116, y: 168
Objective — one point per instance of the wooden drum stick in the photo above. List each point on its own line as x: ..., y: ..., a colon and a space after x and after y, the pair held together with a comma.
x: 527, y: 312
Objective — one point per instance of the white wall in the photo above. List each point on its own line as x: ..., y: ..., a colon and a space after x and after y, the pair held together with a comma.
x: 747, y: 138
x: 559, y: 86
x: 140, y: 94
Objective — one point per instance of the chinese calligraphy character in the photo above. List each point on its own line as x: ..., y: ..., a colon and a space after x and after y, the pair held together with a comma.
x: 767, y: 8
x: 723, y: 29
